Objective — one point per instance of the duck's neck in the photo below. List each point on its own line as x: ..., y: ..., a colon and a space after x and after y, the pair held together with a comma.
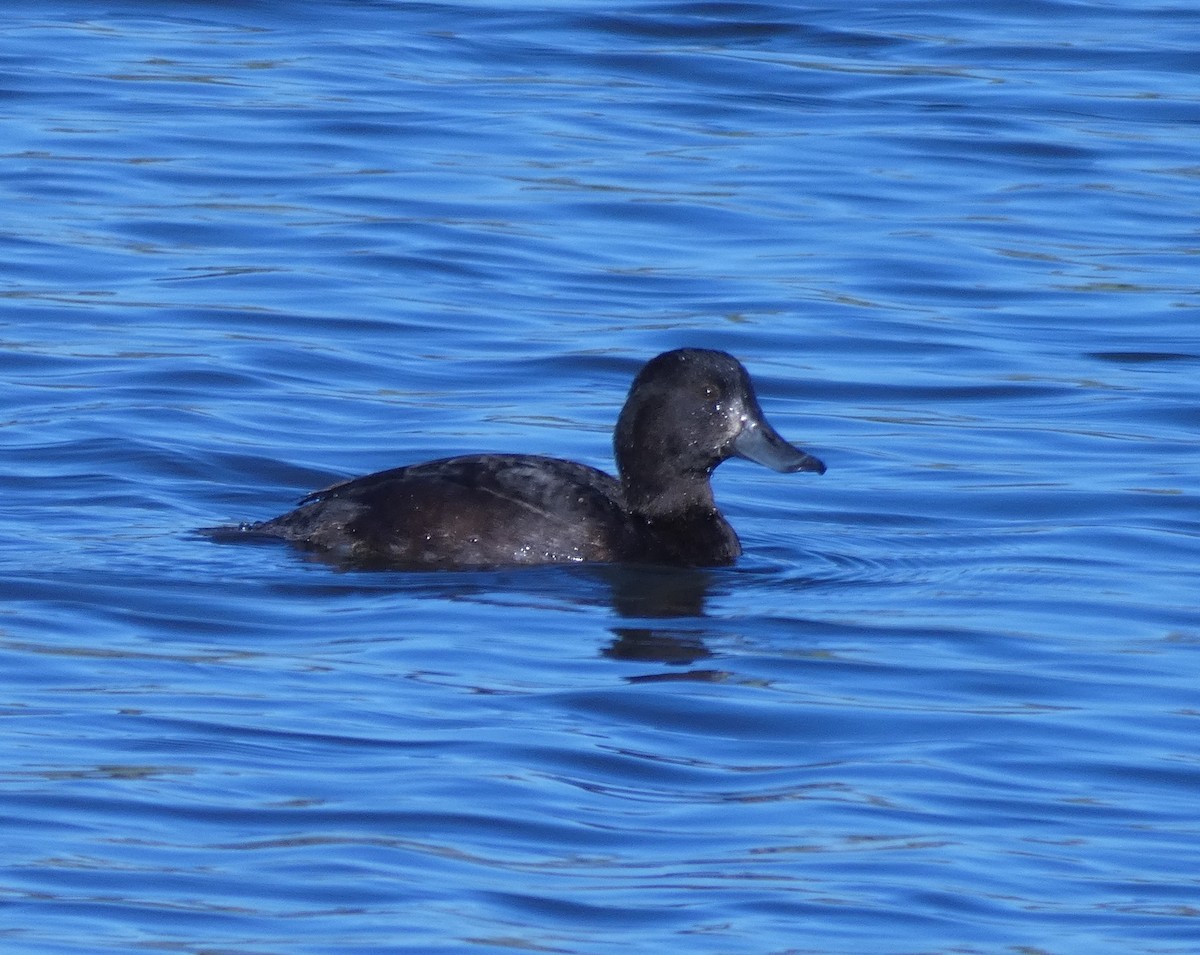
x: 680, y: 518
x: 656, y: 495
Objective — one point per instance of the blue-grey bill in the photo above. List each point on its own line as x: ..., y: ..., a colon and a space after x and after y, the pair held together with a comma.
x: 760, y: 443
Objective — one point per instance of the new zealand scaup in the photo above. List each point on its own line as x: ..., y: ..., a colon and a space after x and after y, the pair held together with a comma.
x: 687, y: 411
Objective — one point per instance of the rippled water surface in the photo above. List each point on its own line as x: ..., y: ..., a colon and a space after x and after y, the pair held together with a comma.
x: 947, y: 702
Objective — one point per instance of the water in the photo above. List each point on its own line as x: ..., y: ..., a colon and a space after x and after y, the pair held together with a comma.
x: 946, y: 702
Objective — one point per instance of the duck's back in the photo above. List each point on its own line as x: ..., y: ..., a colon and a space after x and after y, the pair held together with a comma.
x: 478, y: 510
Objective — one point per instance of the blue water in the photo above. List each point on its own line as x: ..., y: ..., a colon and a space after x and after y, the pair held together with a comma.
x: 949, y: 700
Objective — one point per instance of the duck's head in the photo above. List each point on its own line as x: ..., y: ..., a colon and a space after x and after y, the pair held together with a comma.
x: 687, y: 411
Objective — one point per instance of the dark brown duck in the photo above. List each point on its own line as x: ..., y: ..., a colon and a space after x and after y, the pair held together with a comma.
x: 687, y: 411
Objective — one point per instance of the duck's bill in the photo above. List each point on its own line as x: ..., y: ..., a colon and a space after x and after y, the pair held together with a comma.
x: 760, y: 443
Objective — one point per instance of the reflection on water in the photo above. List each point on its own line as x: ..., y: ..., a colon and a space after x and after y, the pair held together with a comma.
x: 664, y: 607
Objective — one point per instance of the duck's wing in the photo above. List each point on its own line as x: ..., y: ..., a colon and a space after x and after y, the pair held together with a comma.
x: 473, y: 511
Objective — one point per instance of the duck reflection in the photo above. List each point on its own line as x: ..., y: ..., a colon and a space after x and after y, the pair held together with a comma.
x: 664, y: 607
x: 659, y: 611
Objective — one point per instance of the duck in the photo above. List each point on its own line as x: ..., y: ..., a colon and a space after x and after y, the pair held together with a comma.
x: 687, y: 411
